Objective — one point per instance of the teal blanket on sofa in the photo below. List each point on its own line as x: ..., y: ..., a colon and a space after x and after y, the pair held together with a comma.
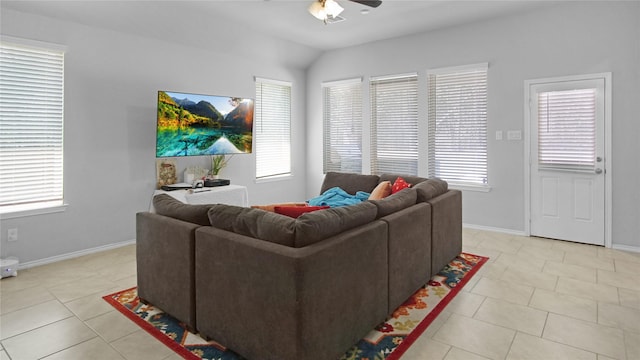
x: 335, y: 197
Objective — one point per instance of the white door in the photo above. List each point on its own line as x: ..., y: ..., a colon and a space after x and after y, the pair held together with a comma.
x: 568, y: 160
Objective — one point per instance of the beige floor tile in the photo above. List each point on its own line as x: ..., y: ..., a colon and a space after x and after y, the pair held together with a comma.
x: 127, y: 283
x: 476, y: 336
x: 588, y: 261
x: 585, y: 335
x: 89, y: 306
x: 425, y: 348
x: 493, y: 270
x: 3, y: 355
x: 81, y: 288
x: 465, y: 303
x: 627, y: 267
x: 602, y: 357
x: 568, y: 305
x: 524, y: 263
x: 25, y: 280
x: 618, y: 254
x: 118, y: 271
x: 459, y: 354
x: 500, y: 289
x: 619, y: 316
x: 436, y: 324
x: 173, y: 356
x: 512, y: 316
x: 632, y: 345
x: 48, y: 339
x: 576, y: 248
x: 534, y: 279
x: 597, y: 292
x: 112, y: 325
x: 528, y: 347
x: 33, y: 317
x: 622, y: 280
x: 534, y: 242
x: 63, y: 272
x: 570, y: 271
x: 141, y: 346
x: 504, y: 245
x: 25, y: 298
x: 541, y: 253
x: 629, y: 298
x: 94, y: 349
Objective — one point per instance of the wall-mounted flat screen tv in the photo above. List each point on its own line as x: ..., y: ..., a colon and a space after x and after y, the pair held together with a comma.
x: 192, y: 125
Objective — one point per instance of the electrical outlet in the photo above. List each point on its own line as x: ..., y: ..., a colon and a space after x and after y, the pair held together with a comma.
x: 499, y: 135
x: 514, y: 135
x: 12, y: 234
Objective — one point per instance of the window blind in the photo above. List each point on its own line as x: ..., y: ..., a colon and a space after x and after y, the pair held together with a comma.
x: 273, y: 128
x: 31, y: 126
x: 457, y: 125
x: 342, y: 133
x: 567, y: 128
x: 394, y: 124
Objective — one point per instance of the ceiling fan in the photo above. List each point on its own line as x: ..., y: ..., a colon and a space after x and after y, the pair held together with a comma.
x: 327, y: 10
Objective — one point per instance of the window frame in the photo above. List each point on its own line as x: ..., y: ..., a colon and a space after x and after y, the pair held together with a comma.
x: 40, y: 206
x: 432, y: 126
x: 258, y: 120
x: 336, y: 123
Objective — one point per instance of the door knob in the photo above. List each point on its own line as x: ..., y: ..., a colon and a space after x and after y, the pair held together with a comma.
x: 598, y: 171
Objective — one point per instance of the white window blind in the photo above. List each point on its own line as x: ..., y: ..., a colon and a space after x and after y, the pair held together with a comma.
x: 567, y: 128
x: 342, y: 113
x: 394, y: 124
x: 31, y: 126
x: 457, y: 125
x: 273, y: 128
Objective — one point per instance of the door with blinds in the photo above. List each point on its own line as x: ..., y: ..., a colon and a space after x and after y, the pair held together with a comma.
x: 567, y: 160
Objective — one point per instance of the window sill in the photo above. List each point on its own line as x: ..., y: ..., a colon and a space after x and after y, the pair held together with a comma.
x: 274, y: 178
x: 13, y: 212
x: 468, y: 187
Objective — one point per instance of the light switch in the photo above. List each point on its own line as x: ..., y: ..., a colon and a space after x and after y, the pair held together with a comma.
x: 499, y: 135
x: 514, y: 135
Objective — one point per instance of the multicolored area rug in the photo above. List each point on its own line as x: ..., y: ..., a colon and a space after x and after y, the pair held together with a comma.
x: 388, y: 340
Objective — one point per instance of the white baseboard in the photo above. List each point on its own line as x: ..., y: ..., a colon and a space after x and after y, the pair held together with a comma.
x: 494, y: 229
x: 626, y: 248
x: 75, y: 254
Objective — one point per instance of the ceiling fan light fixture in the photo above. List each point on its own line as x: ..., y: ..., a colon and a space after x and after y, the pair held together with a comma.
x: 324, y: 9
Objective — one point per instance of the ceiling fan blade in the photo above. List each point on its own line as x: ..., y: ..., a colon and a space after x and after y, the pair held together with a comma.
x: 372, y: 3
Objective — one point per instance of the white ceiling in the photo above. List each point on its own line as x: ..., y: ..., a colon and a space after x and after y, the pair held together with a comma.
x: 284, y: 19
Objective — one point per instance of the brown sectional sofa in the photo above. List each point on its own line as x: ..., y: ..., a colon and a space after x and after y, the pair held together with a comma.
x: 272, y: 287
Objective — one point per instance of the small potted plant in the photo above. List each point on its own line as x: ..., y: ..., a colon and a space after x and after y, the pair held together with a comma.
x: 217, y: 163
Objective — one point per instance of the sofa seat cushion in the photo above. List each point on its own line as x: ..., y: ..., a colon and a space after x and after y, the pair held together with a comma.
x: 256, y: 223
x: 167, y: 205
x: 396, y: 202
x: 315, y: 226
x: 431, y: 188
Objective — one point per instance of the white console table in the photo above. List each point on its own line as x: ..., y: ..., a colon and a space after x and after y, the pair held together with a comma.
x: 228, y: 194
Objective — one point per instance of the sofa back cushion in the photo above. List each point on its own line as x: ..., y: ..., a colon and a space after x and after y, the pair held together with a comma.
x: 315, y: 226
x: 430, y: 188
x: 413, y: 180
x: 169, y: 206
x: 256, y: 223
x: 350, y: 183
x: 396, y: 202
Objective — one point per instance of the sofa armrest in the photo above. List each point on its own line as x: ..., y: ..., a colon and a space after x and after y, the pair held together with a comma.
x: 165, y: 250
x: 270, y: 301
x: 446, y: 231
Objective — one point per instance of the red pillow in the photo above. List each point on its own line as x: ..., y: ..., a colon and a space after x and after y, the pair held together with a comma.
x: 295, y: 211
x: 398, y: 185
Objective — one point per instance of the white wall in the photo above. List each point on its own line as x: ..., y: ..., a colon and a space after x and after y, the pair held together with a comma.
x: 572, y: 38
x: 111, y: 84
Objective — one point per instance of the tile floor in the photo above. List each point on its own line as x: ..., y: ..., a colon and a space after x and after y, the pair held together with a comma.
x: 535, y: 299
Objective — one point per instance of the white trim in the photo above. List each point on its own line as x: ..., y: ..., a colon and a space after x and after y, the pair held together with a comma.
x: 469, y: 187
x: 13, y: 214
x: 75, y: 254
x: 461, y: 68
x: 393, y: 77
x: 494, y: 229
x: 608, y: 233
x: 272, y: 81
x: 635, y: 249
x: 273, y: 178
x: 40, y: 45
x: 342, y: 82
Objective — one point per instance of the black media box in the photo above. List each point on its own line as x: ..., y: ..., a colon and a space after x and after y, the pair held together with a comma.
x: 216, y: 182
